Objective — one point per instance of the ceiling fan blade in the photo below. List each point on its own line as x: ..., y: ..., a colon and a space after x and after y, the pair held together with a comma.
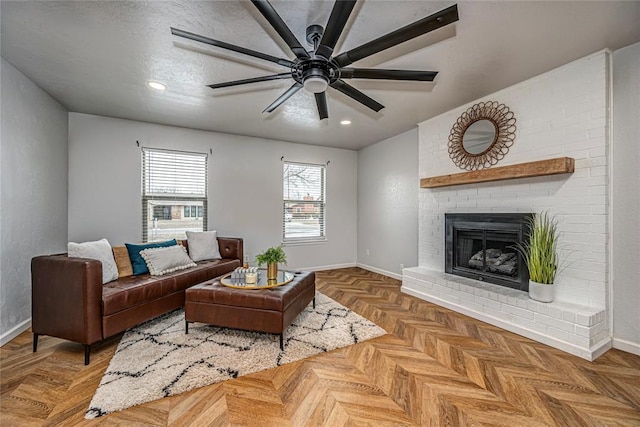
x: 335, y: 25
x: 373, y: 73
x: 418, y: 28
x: 321, y: 102
x: 228, y: 46
x: 252, y: 80
x: 288, y: 94
x: 357, y: 95
x: 265, y: 8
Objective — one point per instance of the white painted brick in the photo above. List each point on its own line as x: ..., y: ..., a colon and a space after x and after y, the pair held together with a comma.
x: 482, y: 301
x: 579, y: 340
x: 558, y: 333
x: 498, y: 314
x: 583, y: 331
x: 538, y: 307
x: 494, y: 304
x: 481, y: 293
x: 599, y: 337
x: 526, y: 323
x: 556, y: 313
x: 472, y: 306
x: 556, y: 323
x: 522, y: 303
x: 526, y: 314
x: 568, y: 316
x: 467, y: 297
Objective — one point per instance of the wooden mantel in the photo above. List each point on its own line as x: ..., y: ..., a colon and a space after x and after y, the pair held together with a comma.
x: 560, y: 165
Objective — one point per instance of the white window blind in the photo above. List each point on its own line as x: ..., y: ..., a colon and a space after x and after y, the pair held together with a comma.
x: 174, y: 194
x: 304, y: 202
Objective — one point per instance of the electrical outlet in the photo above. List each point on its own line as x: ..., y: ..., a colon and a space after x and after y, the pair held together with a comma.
x: 368, y: 253
x: 401, y: 267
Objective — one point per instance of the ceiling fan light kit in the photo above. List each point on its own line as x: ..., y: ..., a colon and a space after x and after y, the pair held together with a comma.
x: 318, y: 69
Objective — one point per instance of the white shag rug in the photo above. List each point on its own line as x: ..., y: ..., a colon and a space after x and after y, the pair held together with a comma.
x: 157, y: 359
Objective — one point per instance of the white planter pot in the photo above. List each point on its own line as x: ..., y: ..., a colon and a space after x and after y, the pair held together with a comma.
x: 541, y: 292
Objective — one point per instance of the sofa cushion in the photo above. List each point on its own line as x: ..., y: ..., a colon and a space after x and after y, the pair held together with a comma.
x: 99, y: 250
x: 203, y: 245
x: 138, y: 264
x: 161, y: 261
x: 127, y: 292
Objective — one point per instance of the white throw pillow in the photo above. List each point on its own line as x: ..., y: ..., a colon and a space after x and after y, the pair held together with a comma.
x: 203, y: 245
x: 166, y: 260
x: 100, y: 250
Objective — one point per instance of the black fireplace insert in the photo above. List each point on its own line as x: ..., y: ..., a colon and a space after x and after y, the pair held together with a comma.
x: 481, y: 247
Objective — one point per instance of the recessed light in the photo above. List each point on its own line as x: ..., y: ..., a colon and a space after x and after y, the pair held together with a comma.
x: 345, y: 122
x: 156, y: 85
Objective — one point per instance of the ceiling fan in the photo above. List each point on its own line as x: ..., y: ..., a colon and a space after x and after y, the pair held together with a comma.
x: 318, y: 69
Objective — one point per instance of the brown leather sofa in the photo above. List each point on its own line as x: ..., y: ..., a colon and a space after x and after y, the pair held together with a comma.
x: 69, y: 300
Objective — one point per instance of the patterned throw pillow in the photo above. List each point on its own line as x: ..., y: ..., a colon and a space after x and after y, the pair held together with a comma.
x: 166, y: 260
x: 100, y: 250
x: 138, y: 264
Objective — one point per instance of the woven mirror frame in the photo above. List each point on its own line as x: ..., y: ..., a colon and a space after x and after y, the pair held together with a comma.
x: 504, y: 123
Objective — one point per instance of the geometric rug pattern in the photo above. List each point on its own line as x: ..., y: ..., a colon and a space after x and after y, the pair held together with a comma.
x: 157, y: 359
x: 433, y: 367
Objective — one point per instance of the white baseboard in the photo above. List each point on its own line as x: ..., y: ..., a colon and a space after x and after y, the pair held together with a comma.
x: 14, y: 332
x: 324, y: 267
x: 628, y: 346
x: 380, y: 271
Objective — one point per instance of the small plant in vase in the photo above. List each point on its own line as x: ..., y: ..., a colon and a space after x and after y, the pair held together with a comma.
x: 272, y: 257
x: 540, y: 254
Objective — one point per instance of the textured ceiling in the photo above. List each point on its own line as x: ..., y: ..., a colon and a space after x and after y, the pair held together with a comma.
x: 96, y: 56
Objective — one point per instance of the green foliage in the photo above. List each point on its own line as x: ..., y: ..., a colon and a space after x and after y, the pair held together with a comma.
x: 541, y: 252
x: 275, y: 254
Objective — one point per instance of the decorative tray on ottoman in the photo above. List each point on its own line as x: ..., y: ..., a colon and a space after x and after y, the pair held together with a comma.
x: 238, y: 279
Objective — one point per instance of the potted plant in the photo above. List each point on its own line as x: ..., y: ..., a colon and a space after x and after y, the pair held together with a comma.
x: 540, y: 254
x: 272, y: 257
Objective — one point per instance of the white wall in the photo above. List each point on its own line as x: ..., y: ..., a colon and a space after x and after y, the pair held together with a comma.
x: 626, y: 198
x: 245, y: 186
x: 388, y: 204
x: 33, y: 191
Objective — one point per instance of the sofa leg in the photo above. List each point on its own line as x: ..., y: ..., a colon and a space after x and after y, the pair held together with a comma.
x: 186, y: 327
x: 35, y: 342
x: 314, y: 302
x: 87, y: 351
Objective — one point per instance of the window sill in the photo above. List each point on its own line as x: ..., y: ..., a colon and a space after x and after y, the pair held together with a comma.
x: 304, y: 242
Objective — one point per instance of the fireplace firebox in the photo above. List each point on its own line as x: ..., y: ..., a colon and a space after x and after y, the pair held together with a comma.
x: 481, y: 247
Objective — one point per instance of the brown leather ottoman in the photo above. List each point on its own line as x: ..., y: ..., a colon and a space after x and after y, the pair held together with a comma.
x: 263, y: 310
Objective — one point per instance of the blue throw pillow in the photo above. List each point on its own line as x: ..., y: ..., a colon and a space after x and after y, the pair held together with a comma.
x: 138, y: 264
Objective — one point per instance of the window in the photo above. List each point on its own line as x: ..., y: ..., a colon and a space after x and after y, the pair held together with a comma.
x: 174, y: 194
x: 304, y: 202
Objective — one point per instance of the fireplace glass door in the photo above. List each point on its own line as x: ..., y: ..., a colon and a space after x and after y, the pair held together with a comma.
x: 482, y: 247
x: 487, y: 251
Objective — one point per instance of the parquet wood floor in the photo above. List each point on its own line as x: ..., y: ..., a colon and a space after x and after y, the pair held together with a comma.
x: 434, y: 368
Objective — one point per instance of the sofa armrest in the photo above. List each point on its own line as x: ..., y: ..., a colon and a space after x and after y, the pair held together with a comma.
x: 231, y: 248
x: 66, y: 295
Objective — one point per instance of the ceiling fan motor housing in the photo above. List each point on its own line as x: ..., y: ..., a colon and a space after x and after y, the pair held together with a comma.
x: 315, y: 74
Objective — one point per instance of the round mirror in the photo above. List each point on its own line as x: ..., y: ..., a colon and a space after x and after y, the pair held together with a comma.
x: 479, y: 136
x: 482, y: 135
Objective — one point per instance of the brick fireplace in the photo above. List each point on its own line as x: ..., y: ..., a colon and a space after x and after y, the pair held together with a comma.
x: 563, y: 112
